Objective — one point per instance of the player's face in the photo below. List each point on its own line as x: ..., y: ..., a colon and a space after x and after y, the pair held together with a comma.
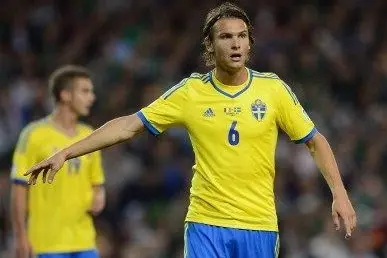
x: 82, y: 96
x: 230, y: 44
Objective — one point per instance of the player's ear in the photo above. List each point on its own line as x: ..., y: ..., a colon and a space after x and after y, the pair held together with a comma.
x: 209, y: 45
x: 65, y: 95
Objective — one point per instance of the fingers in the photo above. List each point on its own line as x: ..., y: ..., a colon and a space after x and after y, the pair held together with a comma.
x: 350, y: 222
x: 34, y: 177
x: 343, y: 210
x: 353, y: 220
x: 348, y: 226
x: 45, y: 174
x: 38, y: 167
x: 34, y: 173
x: 52, y: 174
x: 36, y: 170
x: 336, y: 221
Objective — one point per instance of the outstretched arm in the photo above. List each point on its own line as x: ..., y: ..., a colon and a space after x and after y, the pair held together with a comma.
x: 113, y: 132
x: 325, y: 161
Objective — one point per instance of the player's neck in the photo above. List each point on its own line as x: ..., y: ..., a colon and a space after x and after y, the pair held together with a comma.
x: 233, y: 78
x: 65, y: 120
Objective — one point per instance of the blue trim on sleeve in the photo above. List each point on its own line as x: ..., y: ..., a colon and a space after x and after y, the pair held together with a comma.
x: 308, y: 137
x: 147, y: 124
x: 19, y: 182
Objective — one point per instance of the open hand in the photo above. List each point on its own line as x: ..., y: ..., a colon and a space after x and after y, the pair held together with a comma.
x: 48, y: 166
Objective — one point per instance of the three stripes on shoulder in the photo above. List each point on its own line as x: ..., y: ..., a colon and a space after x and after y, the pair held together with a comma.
x: 204, y: 77
x: 265, y: 75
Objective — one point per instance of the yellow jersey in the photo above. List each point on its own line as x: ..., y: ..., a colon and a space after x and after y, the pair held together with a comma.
x: 58, y: 219
x: 233, y: 131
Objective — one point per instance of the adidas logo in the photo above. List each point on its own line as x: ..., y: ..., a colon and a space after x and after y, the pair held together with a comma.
x: 209, y: 113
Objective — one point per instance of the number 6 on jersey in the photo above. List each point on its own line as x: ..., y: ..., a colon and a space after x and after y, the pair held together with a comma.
x: 233, y: 135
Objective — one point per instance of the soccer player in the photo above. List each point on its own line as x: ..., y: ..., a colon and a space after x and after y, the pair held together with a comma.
x: 233, y: 115
x: 59, y: 216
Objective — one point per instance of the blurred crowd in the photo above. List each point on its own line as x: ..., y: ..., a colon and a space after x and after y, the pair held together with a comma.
x: 332, y: 53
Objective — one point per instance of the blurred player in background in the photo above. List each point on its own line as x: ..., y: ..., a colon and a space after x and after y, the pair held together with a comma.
x: 233, y: 115
x: 59, y: 217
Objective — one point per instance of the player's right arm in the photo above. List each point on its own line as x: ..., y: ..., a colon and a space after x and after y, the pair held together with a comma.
x: 18, y: 217
x: 113, y: 132
x: 158, y: 116
x: 22, y: 159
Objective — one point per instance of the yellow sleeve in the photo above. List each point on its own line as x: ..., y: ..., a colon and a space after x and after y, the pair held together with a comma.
x: 166, y: 110
x: 292, y: 117
x: 24, y: 156
x: 97, y: 173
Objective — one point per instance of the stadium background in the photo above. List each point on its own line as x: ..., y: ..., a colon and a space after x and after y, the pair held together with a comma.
x: 332, y: 53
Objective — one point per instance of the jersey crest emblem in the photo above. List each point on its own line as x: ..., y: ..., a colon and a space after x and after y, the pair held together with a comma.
x: 258, y: 109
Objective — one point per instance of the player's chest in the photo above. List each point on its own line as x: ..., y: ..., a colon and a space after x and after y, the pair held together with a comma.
x: 251, y: 115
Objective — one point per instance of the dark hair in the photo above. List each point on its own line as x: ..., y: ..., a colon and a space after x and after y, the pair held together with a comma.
x: 62, y: 79
x: 225, y: 10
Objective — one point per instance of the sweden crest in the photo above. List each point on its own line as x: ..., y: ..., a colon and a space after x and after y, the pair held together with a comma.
x: 258, y: 108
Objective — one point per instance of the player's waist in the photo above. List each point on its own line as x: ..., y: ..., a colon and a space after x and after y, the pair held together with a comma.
x: 249, y: 214
x: 41, y: 247
x: 266, y: 224
x: 228, y: 212
x: 49, y: 238
x: 227, y: 194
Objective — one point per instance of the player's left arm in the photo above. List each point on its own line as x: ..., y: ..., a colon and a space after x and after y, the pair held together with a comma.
x: 325, y: 161
x: 293, y: 119
x: 99, y: 199
x: 97, y: 180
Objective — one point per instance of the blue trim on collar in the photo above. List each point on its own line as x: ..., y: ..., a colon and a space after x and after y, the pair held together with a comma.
x: 228, y: 94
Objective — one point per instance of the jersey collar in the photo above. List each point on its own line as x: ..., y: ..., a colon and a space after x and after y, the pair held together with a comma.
x: 220, y: 86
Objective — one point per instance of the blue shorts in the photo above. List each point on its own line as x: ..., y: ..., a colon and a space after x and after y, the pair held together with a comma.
x: 81, y: 254
x: 206, y: 241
